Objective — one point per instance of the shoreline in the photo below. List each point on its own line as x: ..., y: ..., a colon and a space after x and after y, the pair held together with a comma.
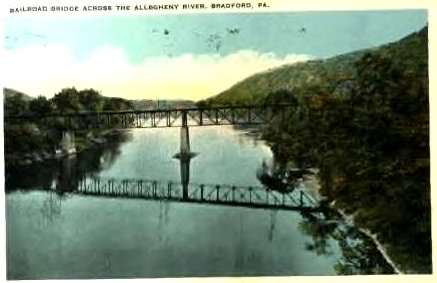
x: 43, y: 156
x: 349, y: 220
x: 312, y: 184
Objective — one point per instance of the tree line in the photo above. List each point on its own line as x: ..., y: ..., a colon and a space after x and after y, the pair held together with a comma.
x: 29, y: 140
x: 370, y: 141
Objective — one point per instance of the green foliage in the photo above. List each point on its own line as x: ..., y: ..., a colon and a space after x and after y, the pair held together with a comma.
x: 67, y: 100
x: 116, y: 104
x: 363, y: 120
x: 43, y: 135
x: 15, y: 104
x: 202, y: 104
x: 91, y: 100
x: 41, y: 106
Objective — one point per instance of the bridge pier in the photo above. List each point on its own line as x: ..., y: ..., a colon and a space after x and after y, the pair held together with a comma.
x: 185, y: 177
x: 185, y: 155
x: 185, y: 152
x: 185, y: 141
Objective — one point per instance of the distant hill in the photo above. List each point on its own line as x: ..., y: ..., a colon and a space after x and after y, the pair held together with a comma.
x: 142, y: 104
x: 8, y: 93
x: 161, y: 104
x: 327, y: 75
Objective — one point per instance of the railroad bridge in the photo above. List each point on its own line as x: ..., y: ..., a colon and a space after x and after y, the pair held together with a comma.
x: 159, y: 118
x: 250, y: 196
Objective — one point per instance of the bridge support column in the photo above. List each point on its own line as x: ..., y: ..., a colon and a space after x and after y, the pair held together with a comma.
x: 185, y: 177
x: 185, y: 141
x: 185, y: 152
x: 185, y: 155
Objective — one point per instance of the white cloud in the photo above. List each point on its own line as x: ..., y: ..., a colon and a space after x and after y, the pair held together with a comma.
x: 46, y: 70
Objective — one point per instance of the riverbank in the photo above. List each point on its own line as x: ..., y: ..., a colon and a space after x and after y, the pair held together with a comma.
x: 83, y: 143
x: 312, y: 185
x: 311, y: 182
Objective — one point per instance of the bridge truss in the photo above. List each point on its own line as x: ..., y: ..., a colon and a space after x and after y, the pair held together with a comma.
x: 224, y: 115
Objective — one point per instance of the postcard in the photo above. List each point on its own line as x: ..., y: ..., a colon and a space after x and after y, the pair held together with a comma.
x: 173, y: 139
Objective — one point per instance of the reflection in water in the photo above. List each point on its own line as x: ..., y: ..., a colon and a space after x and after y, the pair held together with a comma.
x: 51, y: 209
x: 130, y: 238
x: 163, y: 219
x: 359, y: 254
x: 65, y: 174
x: 239, y: 248
x: 320, y: 232
x: 185, y: 174
x: 273, y: 215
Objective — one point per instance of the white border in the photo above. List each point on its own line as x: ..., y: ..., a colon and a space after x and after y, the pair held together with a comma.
x: 275, y: 6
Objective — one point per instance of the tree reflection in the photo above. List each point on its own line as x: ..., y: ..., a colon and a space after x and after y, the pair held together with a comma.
x: 359, y: 253
x: 51, y: 209
x: 320, y: 231
x: 65, y: 174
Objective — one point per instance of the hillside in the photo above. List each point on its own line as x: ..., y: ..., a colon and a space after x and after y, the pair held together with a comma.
x: 362, y: 119
x: 9, y: 93
x: 326, y: 74
x: 161, y: 104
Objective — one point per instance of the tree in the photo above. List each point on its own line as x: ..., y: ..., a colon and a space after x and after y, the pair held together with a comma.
x: 67, y: 100
x: 41, y: 106
x: 15, y: 104
x: 90, y: 100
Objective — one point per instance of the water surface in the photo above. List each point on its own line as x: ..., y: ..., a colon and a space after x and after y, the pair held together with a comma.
x: 65, y: 235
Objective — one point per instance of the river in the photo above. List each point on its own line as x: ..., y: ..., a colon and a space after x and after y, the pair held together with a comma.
x: 57, y: 234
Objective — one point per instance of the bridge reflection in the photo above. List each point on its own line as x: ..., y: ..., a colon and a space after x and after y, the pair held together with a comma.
x: 295, y: 198
x: 244, y: 196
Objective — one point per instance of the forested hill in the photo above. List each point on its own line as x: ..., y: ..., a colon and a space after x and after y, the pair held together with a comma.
x: 329, y: 76
x: 363, y: 120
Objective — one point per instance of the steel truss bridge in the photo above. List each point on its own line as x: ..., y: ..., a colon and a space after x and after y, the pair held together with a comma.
x: 200, y: 116
x: 228, y: 195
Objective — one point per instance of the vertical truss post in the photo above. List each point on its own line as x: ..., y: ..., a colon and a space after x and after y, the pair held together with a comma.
x: 154, y: 188
x: 216, y: 116
x: 184, y: 119
x: 201, y: 117
x: 217, y: 187
x: 153, y: 118
x: 201, y: 191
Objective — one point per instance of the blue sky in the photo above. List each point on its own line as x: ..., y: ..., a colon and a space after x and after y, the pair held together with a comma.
x: 148, y: 48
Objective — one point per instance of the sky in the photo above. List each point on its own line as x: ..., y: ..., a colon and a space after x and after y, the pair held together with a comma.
x: 185, y: 56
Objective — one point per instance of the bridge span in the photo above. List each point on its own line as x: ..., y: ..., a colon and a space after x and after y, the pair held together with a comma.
x: 158, y: 118
x: 213, y: 194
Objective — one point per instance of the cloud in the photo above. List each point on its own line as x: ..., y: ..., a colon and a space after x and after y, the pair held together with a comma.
x: 39, y: 70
